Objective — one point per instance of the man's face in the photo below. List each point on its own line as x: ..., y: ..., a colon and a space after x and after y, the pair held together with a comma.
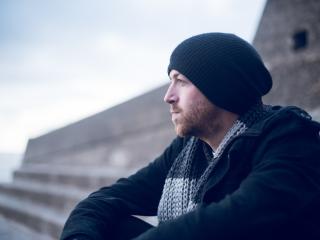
x: 192, y: 113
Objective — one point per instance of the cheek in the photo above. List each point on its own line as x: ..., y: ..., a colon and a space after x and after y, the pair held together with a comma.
x: 190, y: 98
x: 200, y: 108
x: 196, y: 101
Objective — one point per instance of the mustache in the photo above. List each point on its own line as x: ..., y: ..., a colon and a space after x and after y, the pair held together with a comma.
x: 175, y: 109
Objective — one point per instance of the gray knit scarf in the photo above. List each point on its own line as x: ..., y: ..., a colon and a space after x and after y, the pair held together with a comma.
x: 184, y: 184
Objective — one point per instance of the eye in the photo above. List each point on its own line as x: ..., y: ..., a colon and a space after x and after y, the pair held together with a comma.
x: 181, y: 82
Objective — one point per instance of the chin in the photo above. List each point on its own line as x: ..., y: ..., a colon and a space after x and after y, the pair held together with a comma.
x: 183, y: 131
x: 178, y: 131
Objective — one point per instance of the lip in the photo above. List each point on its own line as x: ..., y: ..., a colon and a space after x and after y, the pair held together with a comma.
x: 174, y: 117
x: 174, y: 110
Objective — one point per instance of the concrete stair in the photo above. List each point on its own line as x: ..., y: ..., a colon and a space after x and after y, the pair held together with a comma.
x: 38, y: 218
x: 11, y: 230
x: 42, y: 197
x: 57, y: 198
x: 69, y: 176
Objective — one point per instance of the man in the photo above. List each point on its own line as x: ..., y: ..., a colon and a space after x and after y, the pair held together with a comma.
x: 237, y: 170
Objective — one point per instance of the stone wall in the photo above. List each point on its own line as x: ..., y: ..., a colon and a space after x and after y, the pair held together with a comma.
x: 288, y: 39
x: 118, y: 137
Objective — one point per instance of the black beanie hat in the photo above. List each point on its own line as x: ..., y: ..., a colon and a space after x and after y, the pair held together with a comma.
x: 225, y: 68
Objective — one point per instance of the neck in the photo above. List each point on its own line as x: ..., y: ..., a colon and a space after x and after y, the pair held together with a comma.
x: 214, y: 138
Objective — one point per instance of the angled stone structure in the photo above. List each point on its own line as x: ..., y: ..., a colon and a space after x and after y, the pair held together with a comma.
x: 288, y: 37
x: 62, y: 167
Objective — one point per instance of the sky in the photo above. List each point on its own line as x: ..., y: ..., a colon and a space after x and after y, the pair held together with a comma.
x: 61, y: 61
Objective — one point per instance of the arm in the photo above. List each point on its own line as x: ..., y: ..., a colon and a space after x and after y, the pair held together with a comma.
x: 283, y: 181
x: 139, y: 194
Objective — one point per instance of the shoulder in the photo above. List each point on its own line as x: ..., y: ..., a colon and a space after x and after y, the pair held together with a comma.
x: 287, y: 131
x: 286, y: 120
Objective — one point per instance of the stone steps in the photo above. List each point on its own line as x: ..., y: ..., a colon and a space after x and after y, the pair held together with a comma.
x: 11, y: 230
x: 81, y: 178
x: 58, y: 198
x: 42, y: 197
x: 40, y: 219
x: 42, y: 207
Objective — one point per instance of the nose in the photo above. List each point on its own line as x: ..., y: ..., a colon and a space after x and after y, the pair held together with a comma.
x: 170, y: 96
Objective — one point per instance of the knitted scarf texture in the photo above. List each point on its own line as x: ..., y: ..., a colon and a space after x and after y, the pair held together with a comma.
x: 188, y: 175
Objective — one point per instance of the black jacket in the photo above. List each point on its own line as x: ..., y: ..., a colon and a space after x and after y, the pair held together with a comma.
x: 266, y: 186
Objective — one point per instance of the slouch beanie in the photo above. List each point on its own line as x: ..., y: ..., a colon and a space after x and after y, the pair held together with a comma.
x: 225, y: 68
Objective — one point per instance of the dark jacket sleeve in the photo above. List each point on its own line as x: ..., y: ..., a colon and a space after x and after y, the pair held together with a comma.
x: 139, y: 194
x: 284, y: 180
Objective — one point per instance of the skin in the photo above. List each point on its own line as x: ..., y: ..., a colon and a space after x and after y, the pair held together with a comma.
x: 193, y: 114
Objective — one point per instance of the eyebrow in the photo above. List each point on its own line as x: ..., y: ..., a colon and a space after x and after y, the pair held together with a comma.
x: 175, y: 75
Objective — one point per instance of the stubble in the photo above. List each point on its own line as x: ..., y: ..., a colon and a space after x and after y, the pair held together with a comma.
x: 199, y: 119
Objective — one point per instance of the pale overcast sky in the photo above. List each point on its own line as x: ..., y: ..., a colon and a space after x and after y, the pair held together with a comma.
x: 61, y: 61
